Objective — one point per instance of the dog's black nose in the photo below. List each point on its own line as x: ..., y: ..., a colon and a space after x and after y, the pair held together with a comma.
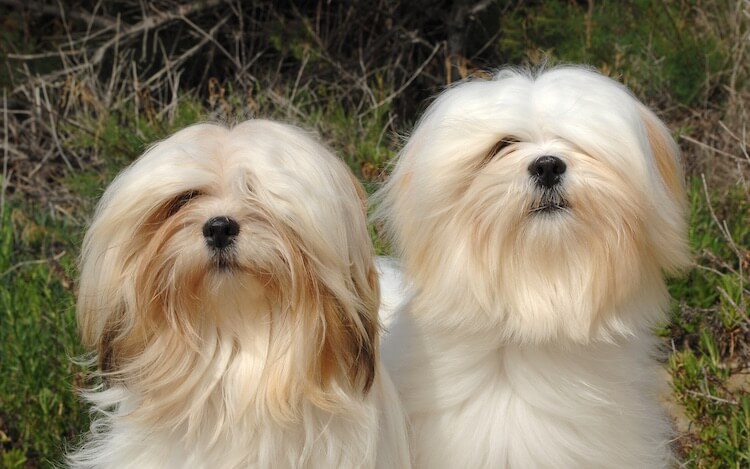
x: 547, y: 170
x: 220, y: 232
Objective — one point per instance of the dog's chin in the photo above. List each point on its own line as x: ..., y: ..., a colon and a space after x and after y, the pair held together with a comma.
x: 547, y: 264
x: 548, y: 203
x: 223, y: 262
x: 549, y: 208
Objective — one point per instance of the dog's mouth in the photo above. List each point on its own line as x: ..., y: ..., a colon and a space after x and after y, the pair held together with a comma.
x: 549, y: 202
x: 223, y: 260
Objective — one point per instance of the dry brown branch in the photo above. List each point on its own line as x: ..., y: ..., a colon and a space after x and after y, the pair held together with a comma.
x: 414, y: 75
x: 58, y: 10
x: 151, y: 22
x: 171, y: 64
x: 17, y: 266
x: 123, y: 35
x: 713, y: 149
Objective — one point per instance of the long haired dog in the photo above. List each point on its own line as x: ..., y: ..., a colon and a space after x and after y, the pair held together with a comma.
x: 535, y: 215
x: 228, y: 289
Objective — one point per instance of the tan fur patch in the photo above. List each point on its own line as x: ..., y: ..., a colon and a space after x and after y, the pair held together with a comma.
x: 666, y: 155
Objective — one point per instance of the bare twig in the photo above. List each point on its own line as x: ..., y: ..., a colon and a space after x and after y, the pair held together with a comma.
x: 5, y: 154
x: 414, y: 75
x: 171, y: 63
x: 126, y: 35
x: 210, y: 37
x: 53, y: 127
x: 47, y: 9
x: 480, y: 6
x: 710, y: 397
x: 152, y: 22
x: 709, y: 147
x: 722, y: 226
x: 14, y: 267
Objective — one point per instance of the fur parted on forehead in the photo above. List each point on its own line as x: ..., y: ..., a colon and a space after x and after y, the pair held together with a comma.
x: 261, y: 159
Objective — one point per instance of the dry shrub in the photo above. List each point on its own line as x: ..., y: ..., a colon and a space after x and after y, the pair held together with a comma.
x: 715, y: 132
x: 71, y: 67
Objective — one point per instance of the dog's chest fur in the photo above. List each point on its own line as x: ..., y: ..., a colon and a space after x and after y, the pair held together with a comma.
x: 319, y: 441
x: 226, y: 422
x: 482, y: 406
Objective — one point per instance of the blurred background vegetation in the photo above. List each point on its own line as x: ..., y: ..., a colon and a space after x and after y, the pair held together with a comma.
x: 87, y: 85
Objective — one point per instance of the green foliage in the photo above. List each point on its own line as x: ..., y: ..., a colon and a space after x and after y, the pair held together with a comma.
x: 708, y: 330
x: 720, y: 415
x: 362, y: 145
x: 719, y: 236
x: 654, y: 45
x: 116, y: 138
x: 39, y: 411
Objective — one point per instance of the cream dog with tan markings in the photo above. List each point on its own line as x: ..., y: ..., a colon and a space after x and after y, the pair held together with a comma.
x: 228, y: 288
x: 536, y: 215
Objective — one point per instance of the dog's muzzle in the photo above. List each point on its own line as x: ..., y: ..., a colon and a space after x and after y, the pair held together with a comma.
x: 547, y: 173
x: 220, y: 234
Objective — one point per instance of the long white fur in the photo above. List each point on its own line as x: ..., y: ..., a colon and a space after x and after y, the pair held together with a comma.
x: 525, y: 340
x: 393, y: 289
x: 215, y: 364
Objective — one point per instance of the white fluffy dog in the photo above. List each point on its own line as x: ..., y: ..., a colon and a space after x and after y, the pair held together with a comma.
x: 535, y: 214
x: 228, y: 288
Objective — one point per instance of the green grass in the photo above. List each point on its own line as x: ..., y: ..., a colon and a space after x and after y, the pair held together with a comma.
x: 39, y: 412
x: 115, y: 138
x: 709, y: 329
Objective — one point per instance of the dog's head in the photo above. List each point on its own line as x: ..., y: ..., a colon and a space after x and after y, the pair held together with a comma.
x: 552, y: 203
x: 214, y: 231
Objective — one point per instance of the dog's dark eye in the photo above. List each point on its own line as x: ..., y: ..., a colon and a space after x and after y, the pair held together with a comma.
x: 501, y: 145
x: 180, y: 201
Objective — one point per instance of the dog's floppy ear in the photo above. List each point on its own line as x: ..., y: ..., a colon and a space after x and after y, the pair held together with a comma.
x: 367, y: 345
x: 100, y: 307
x: 104, y: 321
x: 329, y: 328
x: 365, y: 287
x: 349, y: 333
x: 349, y: 305
x: 674, y: 253
x: 666, y: 155
x: 107, y: 310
